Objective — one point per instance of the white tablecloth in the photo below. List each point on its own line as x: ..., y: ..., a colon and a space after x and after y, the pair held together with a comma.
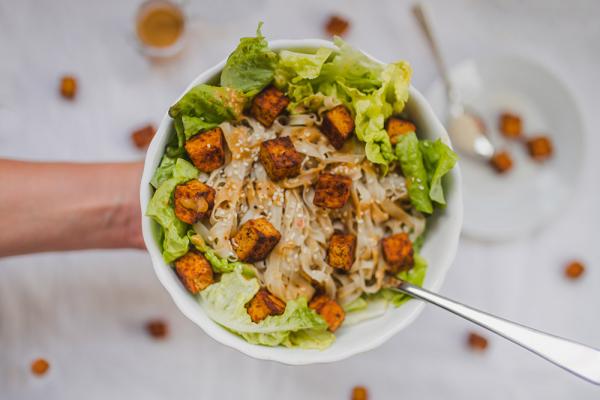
x: 85, y: 311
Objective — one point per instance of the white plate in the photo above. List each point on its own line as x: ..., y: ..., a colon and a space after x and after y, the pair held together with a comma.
x: 502, y: 207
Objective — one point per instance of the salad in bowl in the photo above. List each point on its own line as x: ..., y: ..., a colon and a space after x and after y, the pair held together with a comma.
x: 288, y: 187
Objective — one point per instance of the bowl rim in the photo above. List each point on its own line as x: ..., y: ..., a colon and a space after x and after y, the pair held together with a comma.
x: 216, y: 332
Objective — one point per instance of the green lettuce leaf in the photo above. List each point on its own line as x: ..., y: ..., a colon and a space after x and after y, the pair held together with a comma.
x: 208, y: 106
x: 294, y: 67
x: 175, y: 147
x: 317, y: 339
x: 373, y: 108
x: 415, y: 275
x: 251, y: 65
x: 358, y: 304
x: 293, y: 75
x: 163, y: 172
x: 298, y: 326
x: 395, y: 87
x: 303, y: 97
x: 438, y: 159
x: 418, y: 242
x: 193, y: 125
x: 175, y: 241
x: 409, y: 155
x: 352, y: 68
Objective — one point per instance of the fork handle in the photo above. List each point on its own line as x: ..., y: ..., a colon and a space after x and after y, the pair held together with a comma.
x: 576, y: 358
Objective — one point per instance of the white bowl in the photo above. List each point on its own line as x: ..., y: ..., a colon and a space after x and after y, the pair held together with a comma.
x: 439, y: 249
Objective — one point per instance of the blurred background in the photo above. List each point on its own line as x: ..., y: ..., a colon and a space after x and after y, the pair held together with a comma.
x: 86, y: 312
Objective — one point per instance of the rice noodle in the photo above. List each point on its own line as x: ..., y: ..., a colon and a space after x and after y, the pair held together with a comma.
x: 297, y: 266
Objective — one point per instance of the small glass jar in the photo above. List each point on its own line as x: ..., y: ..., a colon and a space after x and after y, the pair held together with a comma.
x: 160, y: 27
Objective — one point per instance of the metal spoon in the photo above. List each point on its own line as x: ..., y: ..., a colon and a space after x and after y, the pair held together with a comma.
x: 576, y: 358
x: 463, y: 127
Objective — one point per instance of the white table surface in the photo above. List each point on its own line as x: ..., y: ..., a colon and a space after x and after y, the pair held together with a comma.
x: 85, y: 311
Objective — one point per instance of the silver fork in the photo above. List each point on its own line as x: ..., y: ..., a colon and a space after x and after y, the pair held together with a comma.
x: 578, y: 359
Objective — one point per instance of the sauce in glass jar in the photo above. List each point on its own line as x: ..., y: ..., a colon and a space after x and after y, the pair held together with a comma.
x: 160, y: 25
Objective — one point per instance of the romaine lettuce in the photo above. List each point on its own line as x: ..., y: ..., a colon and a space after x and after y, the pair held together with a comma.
x: 352, y: 68
x: 409, y: 155
x: 424, y: 163
x: 175, y: 147
x: 175, y: 241
x: 163, y: 172
x: 294, y: 66
x: 205, y: 106
x: 250, y: 67
x: 192, y: 125
x: 373, y: 108
x: 357, y: 304
x: 294, y: 73
x: 438, y: 159
x: 318, y: 339
x: 298, y: 326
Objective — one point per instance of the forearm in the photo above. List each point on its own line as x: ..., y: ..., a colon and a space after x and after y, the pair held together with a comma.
x: 64, y: 206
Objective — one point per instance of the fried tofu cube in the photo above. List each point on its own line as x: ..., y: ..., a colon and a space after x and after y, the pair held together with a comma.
x: 336, y: 26
x: 540, y: 148
x: 207, y: 150
x: 142, y: 137
x: 510, y: 125
x: 477, y: 342
x: 264, y: 304
x: 329, y: 309
x: 574, y: 269
x: 193, y: 201
x: 68, y: 87
x: 195, y: 271
x: 332, y: 191
x: 157, y: 328
x: 360, y: 393
x: 280, y: 158
x: 397, y: 127
x: 40, y: 366
x: 501, y: 161
x: 398, y: 252
x: 255, y: 239
x: 338, y: 125
x: 341, y: 249
x: 268, y: 104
